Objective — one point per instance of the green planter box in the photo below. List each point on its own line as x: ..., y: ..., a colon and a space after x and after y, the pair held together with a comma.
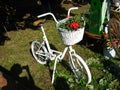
x: 98, y: 13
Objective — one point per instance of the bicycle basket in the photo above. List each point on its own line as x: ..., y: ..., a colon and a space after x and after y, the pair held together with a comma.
x: 70, y: 37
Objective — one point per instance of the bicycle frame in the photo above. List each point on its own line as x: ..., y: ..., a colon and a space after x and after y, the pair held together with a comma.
x: 45, y: 40
x: 51, y: 51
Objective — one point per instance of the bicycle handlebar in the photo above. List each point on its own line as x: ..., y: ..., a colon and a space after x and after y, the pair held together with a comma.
x: 73, y: 8
x: 49, y: 13
x: 46, y: 14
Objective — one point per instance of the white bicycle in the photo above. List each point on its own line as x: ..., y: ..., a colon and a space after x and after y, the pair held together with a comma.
x: 43, y: 53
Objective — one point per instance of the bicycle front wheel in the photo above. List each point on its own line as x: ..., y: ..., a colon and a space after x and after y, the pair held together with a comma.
x: 80, y: 68
x: 39, y: 52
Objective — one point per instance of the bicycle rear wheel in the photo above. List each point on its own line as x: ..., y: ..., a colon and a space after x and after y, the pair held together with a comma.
x: 39, y: 52
x: 80, y: 68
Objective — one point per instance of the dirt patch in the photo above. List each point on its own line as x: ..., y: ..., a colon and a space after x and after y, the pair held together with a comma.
x: 3, y: 81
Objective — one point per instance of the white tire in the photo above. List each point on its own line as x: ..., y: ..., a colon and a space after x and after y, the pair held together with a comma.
x: 80, y: 68
x: 39, y: 52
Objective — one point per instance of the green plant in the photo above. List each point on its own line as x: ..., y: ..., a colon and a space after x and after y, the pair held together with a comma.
x: 73, y: 23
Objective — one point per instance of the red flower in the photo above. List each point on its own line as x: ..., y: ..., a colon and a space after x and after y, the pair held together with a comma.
x: 74, y: 25
x: 115, y: 43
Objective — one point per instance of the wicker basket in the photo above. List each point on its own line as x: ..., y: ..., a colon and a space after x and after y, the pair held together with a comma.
x: 70, y: 37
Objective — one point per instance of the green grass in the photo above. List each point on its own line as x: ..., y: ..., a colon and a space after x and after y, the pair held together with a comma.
x: 105, y: 73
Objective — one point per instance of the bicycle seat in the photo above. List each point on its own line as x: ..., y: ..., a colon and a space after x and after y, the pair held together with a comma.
x: 39, y: 22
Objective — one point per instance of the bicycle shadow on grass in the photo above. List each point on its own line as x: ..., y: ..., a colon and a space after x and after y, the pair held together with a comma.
x: 61, y: 84
x: 94, y: 45
x: 112, y: 68
x: 11, y: 80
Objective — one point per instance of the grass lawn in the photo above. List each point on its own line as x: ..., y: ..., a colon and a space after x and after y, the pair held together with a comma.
x: 15, y: 56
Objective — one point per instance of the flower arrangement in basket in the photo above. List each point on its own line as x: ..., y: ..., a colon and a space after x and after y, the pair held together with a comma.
x: 71, y: 30
x: 72, y: 24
